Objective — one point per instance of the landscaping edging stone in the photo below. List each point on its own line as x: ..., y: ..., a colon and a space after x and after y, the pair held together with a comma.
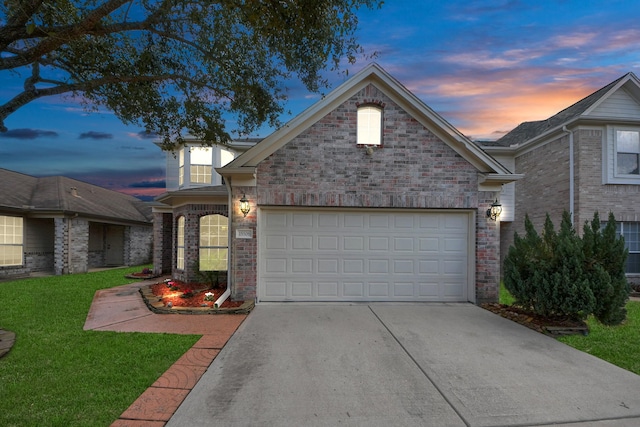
x: 7, y: 339
x: 156, y: 305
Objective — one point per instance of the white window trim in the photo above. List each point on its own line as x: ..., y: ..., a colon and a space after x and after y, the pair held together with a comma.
x: 223, y: 247
x: 14, y: 244
x: 180, y: 243
x: 370, y: 128
x: 610, y: 158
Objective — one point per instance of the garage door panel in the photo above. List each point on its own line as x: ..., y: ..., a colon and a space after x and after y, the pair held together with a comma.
x: 378, y: 243
x: 328, y: 289
x: 328, y: 243
x: 403, y: 266
x: 353, y: 243
x: 302, y: 289
x: 353, y: 266
x: 363, y: 256
x: 354, y: 289
x: 302, y: 243
x: 378, y: 266
x: 379, y: 289
x: 328, y: 266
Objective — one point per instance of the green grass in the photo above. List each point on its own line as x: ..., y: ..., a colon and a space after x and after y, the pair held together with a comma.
x: 56, y: 374
x: 619, y: 345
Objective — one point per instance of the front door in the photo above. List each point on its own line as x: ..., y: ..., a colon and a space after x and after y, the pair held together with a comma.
x: 114, y: 245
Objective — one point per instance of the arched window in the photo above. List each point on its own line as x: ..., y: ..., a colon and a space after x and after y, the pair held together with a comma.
x: 180, y: 244
x: 369, y: 125
x: 214, y: 250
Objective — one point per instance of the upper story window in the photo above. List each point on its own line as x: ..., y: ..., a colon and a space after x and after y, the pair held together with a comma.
x: 621, y: 155
x: 201, y: 161
x: 369, y: 130
x: 194, y: 165
x: 181, y: 167
x: 11, y: 241
x: 627, y: 152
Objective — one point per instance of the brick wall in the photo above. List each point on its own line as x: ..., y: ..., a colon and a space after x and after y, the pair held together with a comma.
x: 61, y: 258
x: 591, y: 194
x: 138, y: 245
x: 79, y: 245
x: 323, y: 166
x: 544, y: 188
x: 162, y: 242
x: 243, y: 252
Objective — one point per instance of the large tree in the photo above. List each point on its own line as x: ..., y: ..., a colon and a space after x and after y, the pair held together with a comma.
x: 176, y: 66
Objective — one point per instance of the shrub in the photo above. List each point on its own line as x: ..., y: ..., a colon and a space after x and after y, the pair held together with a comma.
x: 563, y: 274
x: 605, y: 257
x: 547, y: 274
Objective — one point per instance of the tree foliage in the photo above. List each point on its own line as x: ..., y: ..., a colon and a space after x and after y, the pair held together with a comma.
x: 176, y: 66
x: 568, y: 275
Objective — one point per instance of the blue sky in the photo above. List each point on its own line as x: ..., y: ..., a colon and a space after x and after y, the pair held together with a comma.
x: 485, y: 66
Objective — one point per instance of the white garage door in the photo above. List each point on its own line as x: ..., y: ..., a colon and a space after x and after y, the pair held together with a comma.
x: 330, y: 255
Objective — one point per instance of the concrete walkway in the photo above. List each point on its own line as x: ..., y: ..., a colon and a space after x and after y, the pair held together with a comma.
x: 121, y: 309
x: 403, y: 365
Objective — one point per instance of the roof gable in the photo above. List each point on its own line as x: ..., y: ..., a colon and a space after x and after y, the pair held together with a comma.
x: 375, y: 75
x: 606, y: 102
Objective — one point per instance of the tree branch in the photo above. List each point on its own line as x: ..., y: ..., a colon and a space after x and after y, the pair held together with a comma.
x: 51, y: 43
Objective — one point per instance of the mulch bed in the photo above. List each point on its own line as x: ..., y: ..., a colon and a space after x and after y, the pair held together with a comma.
x: 555, y: 326
x: 180, y: 294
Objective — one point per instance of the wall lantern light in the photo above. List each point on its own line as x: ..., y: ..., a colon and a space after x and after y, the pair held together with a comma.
x: 244, y: 205
x: 495, y: 210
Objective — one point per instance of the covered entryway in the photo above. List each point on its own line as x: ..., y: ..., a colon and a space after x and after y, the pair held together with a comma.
x: 365, y: 255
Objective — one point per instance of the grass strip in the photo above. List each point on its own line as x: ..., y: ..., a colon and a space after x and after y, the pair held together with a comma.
x: 619, y: 345
x: 59, y: 375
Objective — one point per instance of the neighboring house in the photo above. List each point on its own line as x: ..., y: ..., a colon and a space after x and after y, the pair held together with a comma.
x: 59, y: 225
x: 368, y: 195
x: 584, y: 159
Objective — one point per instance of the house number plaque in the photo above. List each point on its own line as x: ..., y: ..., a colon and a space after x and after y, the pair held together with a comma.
x: 244, y: 233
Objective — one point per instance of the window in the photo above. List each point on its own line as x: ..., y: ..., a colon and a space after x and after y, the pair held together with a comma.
x: 627, y: 152
x: 631, y: 233
x: 369, y: 130
x: 213, y: 243
x: 181, y: 168
x: 11, y: 241
x: 201, y: 165
x: 180, y: 244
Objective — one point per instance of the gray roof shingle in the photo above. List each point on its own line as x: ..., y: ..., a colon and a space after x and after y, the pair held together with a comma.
x: 56, y: 193
x: 528, y: 130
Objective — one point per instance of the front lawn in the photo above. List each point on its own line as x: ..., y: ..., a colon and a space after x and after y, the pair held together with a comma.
x: 619, y: 345
x: 59, y: 375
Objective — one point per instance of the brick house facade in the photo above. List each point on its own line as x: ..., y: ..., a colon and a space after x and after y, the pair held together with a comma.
x: 314, y: 166
x: 570, y: 163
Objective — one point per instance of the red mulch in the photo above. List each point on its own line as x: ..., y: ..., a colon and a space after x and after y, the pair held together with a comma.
x: 198, y: 291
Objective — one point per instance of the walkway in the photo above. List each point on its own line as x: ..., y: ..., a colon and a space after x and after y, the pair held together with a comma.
x: 121, y: 309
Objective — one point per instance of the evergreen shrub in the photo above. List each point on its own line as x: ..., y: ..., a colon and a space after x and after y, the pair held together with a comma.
x: 562, y: 274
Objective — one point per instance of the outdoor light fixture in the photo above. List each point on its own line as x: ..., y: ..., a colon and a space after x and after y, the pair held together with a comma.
x: 244, y: 205
x: 494, y: 211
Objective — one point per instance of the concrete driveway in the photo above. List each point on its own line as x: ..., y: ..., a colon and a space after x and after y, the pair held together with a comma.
x: 403, y: 365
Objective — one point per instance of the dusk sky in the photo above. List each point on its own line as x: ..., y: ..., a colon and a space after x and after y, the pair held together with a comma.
x: 485, y: 66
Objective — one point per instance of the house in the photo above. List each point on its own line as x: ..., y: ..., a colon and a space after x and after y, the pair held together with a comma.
x: 59, y: 225
x: 582, y: 160
x: 368, y: 195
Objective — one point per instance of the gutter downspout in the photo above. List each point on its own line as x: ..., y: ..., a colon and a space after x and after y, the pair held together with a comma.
x: 227, y: 292
x: 571, y: 174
